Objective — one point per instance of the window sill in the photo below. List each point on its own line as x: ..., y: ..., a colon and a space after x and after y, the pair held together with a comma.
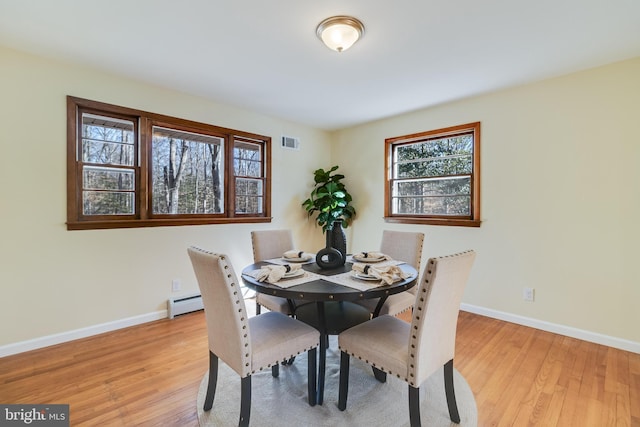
x: 453, y: 222
x: 101, y: 225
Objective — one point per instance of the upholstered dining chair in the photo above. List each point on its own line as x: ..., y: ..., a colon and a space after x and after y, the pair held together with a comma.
x: 268, y: 244
x: 413, y: 352
x: 246, y: 345
x: 403, y: 246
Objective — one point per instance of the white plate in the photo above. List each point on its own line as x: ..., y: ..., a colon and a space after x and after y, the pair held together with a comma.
x: 292, y: 274
x: 302, y: 259
x: 360, y: 258
x: 362, y: 276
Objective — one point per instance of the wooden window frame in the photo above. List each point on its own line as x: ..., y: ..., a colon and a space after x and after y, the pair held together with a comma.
x: 472, y: 220
x: 143, y: 217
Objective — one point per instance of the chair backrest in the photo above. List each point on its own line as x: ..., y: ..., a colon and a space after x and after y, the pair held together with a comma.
x: 404, y: 246
x: 268, y: 244
x: 435, y: 314
x: 226, y: 314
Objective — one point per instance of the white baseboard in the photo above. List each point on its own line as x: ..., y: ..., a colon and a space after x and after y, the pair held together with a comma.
x: 568, y: 331
x: 33, y: 344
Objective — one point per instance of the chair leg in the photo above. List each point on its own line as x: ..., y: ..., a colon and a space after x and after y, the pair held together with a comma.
x: 450, y: 392
x: 275, y: 370
x: 258, y: 308
x: 245, y: 401
x: 414, y: 406
x: 213, y: 381
x: 288, y: 362
x: 311, y: 376
x: 344, y: 381
x: 380, y: 375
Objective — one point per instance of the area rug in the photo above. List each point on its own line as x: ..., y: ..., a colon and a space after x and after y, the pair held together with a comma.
x: 282, y: 401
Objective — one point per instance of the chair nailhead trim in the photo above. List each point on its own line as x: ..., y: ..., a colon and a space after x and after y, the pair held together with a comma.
x: 231, y: 283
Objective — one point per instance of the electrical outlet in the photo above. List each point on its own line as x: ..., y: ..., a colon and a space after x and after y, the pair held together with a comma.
x: 528, y: 294
x: 175, y: 285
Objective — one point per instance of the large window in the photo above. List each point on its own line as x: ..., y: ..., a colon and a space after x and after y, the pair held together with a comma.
x: 434, y: 177
x: 129, y: 168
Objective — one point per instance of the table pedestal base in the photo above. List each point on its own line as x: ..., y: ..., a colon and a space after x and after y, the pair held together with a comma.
x: 330, y: 318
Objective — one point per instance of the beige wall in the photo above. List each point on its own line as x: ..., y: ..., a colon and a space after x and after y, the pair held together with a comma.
x: 54, y: 280
x: 560, y: 200
x: 560, y: 197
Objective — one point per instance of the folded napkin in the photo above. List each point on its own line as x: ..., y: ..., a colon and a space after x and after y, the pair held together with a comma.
x: 273, y: 273
x: 293, y: 254
x: 374, y: 255
x: 388, y: 273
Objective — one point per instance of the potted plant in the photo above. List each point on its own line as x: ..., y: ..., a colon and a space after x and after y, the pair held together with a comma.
x: 332, y: 203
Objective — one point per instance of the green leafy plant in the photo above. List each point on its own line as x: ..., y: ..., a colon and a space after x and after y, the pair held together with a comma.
x: 330, y: 199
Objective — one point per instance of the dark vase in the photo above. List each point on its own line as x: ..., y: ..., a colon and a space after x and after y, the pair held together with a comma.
x: 338, y: 239
x: 335, y: 252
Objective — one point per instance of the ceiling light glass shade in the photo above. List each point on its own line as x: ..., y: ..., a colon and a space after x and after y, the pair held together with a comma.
x: 340, y: 32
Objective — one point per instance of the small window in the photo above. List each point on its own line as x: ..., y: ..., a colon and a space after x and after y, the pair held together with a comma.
x: 108, y: 165
x: 248, y: 164
x: 130, y: 168
x: 434, y: 177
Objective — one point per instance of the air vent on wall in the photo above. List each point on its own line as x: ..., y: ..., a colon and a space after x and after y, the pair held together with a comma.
x: 290, y: 142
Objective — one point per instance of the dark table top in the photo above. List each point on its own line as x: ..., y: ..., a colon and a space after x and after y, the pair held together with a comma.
x: 322, y: 290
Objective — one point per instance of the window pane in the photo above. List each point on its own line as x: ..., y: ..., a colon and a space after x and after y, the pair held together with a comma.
x: 96, y: 178
x: 187, y: 172
x: 445, y: 205
x: 461, y: 144
x: 436, y: 157
x: 247, y: 159
x: 107, y: 203
x: 434, y: 187
x: 250, y: 205
x: 107, y: 191
x: 107, y: 140
x: 436, y: 196
x: 455, y: 165
x: 249, y: 194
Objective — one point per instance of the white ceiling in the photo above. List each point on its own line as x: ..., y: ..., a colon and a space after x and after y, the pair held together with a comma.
x: 263, y: 55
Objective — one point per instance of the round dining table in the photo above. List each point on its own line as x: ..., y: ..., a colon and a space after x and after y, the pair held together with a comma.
x: 329, y: 306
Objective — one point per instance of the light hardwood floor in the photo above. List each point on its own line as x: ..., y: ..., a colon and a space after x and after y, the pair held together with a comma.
x: 149, y: 375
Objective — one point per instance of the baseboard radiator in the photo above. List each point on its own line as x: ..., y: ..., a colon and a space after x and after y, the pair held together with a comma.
x: 184, y: 304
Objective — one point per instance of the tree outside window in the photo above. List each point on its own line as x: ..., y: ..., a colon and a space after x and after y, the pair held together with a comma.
x: 186, y: 172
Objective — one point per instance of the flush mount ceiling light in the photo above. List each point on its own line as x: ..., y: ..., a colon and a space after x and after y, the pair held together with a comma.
x: 340, y: 32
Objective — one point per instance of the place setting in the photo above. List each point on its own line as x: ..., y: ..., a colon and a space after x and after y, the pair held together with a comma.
x: 370, y: 257
x: 370, y: 270
x: 286, y: 271
x: 293, y: 256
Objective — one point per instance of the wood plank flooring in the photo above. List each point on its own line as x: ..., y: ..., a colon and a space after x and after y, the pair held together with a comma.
x: 148, y: 375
